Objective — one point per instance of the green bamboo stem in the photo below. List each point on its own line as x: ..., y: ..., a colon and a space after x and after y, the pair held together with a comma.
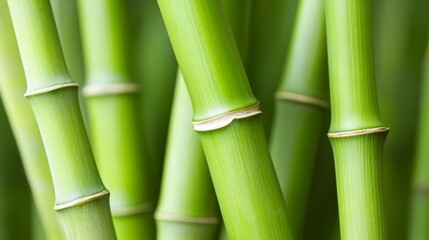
x: 24, y: 126
x: 301, y: 107
x: 155, y: 68
x: 271, y: 23
x: 114, y: 121
x: 81, y: 200
x: 357, y: 133
x: 419, y: 220
x: 188, y: 207
x: 237, y: 153
x: 15, y: 202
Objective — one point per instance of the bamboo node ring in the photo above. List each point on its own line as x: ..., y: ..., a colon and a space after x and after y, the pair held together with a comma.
x: 50, y: 89
x: 225, y: 119
x: 301, y: 98
x: 185, y: 219
x: 358, y: 132
x: 110, y: 89
x: 133, y: 210
x: 82, y: 200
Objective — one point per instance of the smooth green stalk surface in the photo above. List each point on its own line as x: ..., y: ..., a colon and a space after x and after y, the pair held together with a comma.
x: 155, y: 68
x: 58, y: 115
x: 298, y: 125
x: 15, y: 201
x: 187, y: 189
x: 354, y: 107
x: 271, y: 23
x: 24, y: 126
x: 114, y: 118
x: 243, y: 174
x: 419, y: 220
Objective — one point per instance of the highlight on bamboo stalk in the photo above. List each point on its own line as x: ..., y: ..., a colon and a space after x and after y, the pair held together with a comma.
x: 112, y: 102
x: 24, y: 126
x: 419, y: 210
x: 214, y: 74
x: 81, y: 199
x: 188, y: 207
x: 357, y: 133
x: 301, y: 107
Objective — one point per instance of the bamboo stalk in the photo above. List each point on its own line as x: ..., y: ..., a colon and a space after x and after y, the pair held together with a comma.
x: 357, y: 133
x: 24, y: 126
x: 113, y: 117
x: 271, y: 23
x: 155, y: 68
x: 15, y: 201
x: 81, y: 198
x: 236, y: 151
x: 301, y: 107
x: 188, y: 207
x: 419, y: 219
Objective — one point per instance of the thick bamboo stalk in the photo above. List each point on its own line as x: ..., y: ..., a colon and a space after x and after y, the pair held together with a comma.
x: 419, y: 220
x: 15, y: 201
x: 244, y: 177
x: 155, y: 68
x: 113, y: 117
x: 271, y: 23
x: 24, y: 126
x: 357, y: 133
x: 81, y: 199
x: 301, y: 107
x: 187, y: 207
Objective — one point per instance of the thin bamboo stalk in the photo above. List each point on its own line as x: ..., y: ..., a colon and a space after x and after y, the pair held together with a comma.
x: 301, y: 107
x: 244, y: 177
x: 188, y: 206
x: 81, y: 199
x: 420, y: 199
x: 113, y: 117
x: 271, y: 23
x: 357, y: 133
x: 24, y: 126
x: 155, y: 68
x: 15, y: 201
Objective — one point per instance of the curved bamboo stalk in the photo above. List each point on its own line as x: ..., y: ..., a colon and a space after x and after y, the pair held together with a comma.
x: 301, y: 107
x: 80, y: 194
x: 237, y: 152
x: 113, y: 116
x: 357, y: 133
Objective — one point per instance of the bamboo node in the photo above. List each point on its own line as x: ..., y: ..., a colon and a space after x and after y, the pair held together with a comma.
x: 82, y: 200
x: 225, y: 119
x: 50, y: 89
x: 358, y: 132
x: 185, y: 219
x: 110, y: 89
x: 133, y: 210
x: 301, y: 98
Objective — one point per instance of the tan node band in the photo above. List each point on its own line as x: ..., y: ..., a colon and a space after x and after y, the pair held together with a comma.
x: 226, y: 119
x: 82, y: 200
x: 134, y: 210
x: 421, y: 188
x: 358, y: 132
x: 185, y: 219
x: 110, y: 89
x: 302, y: 99
x: 50, y: 89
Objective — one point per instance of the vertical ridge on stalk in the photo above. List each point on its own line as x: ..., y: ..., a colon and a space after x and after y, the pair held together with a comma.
x: 237, y: 154
x: 357, y: 133
x: 114, y: 120
x: 301, y: 107
x: 53, y: 98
